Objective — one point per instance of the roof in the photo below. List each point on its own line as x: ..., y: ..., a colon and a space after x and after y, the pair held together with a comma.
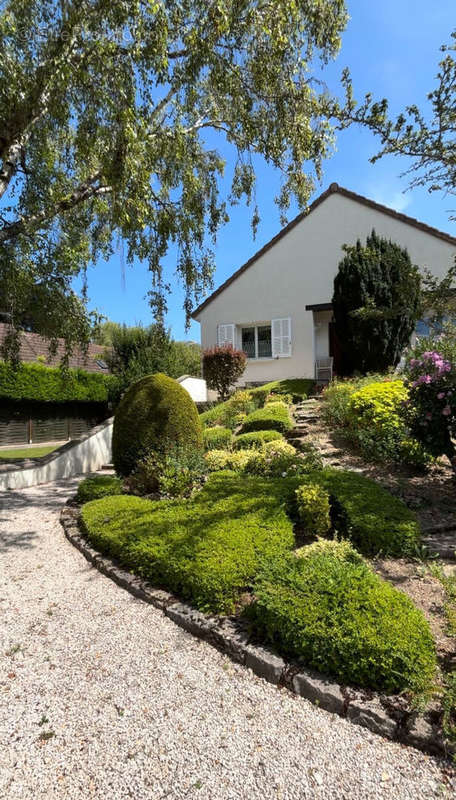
x: 35, y: 348
x: 334, y: 188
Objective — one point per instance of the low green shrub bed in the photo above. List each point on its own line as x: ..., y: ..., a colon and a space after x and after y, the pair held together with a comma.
x: 255, y: 439
x: 217, y: 438
x: 276, y: 459
x: 206, y: 549
x: 98, y: 486
x: 230, y: 413
x: 298, y: 388
x: 274, y: 416
x: 370, y: 516
x: 330, y: 610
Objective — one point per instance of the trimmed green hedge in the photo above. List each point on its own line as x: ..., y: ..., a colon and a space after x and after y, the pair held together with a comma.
x: 255, y: 439
x: 97, y: 486
x: 299, y: 388
x: 337, y: 616
x: 274, y: 416
x: 369, y: 515
x: 217, y: 438
x: 155, y: 415
x: 49, y: 384
x: 206, y: 549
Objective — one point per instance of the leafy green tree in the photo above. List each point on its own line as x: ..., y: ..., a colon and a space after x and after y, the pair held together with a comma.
x: 376, y: 302
x: 110, y: 113
x: 428, y: 138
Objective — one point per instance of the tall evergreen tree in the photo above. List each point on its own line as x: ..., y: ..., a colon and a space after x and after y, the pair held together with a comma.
x: 376, y: 304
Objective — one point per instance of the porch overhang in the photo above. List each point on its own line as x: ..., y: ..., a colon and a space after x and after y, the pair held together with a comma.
x: 319, y: 307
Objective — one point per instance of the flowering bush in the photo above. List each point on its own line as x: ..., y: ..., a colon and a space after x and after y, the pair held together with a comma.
x: 432, y: 402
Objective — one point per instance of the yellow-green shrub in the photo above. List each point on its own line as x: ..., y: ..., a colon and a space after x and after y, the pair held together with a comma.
x: 217, y: 438
x: 255, y: 439
x: 313, y: 507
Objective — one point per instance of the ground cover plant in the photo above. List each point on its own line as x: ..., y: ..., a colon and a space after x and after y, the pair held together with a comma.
x: 371, y: 517
x: 245, y: 441
x: 273, y: 459
x: 298, y: 388
x: 230, y: 413
x: 96, y: 486
x: 217, y: 438
x: 206, y: 549
x: 335, y: 614
x: 273, y: 416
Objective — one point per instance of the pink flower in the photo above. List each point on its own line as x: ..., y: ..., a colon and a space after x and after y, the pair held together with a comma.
x: 428, y: 415
x: 446, y: 411
x: 440, y: 395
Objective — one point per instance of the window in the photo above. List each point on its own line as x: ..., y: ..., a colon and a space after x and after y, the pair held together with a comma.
x: 257, y: 341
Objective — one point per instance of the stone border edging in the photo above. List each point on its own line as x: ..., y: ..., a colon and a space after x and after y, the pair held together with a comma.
x: 379, y: 713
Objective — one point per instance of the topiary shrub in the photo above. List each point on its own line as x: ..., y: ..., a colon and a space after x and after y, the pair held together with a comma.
x: 217, y: 438
x: 255, y: 439
x: 274, y: 416
x: 298, y: 388
x: 330, y: 610
x: 367, y: 514
x: 155, y: 414
x: 313, y: 508
x: 98, y: 486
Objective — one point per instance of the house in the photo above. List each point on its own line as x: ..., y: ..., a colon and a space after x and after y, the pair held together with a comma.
x: 277, y: 306
x: 35, y: 349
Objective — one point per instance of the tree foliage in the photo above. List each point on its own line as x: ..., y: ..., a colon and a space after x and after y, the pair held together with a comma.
x: 110, y: 114
x: 222, y: 367
x: 376, y: 304
x: 429, y: 139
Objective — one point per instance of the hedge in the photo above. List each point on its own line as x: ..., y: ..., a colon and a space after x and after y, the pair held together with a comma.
x: 97, y: 486
x: 206, y: 549
x: 217, y: 438
x: 155, y: 415
x: 334, y: 614
x: 369, y: 515
x: 35, y: 382
x: 299, y: 388
x: 274, y: 416
x: 255, y: 439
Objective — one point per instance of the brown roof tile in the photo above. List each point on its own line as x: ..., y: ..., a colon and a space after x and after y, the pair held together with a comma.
x: 35, y: 347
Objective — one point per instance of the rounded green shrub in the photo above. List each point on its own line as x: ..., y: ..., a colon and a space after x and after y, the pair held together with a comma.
x: 313, y: 508
x: 97, y: 486
x: 155, y: 414
x: 273, y: 416
x: 337, y: 616
x: 217, y: 438
x: 255, y: 439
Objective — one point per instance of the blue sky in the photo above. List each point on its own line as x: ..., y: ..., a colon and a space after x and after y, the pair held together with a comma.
x: 392, y: 49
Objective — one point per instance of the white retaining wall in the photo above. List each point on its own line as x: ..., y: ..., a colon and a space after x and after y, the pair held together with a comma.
x: 87, y: 454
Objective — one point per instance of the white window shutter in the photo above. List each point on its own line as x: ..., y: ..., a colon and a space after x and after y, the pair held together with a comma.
x: 225, y: 334
x: 281, y: 337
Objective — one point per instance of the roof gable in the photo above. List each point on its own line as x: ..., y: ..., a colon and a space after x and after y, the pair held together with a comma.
x: 334, y: 188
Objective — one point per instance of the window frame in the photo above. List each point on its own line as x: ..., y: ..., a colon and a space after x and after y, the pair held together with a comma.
x: 255, y: 327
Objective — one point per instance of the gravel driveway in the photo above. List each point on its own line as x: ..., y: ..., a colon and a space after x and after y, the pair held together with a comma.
x: 102, y: 696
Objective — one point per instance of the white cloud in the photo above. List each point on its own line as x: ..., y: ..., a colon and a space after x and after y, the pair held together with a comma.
x: 398, y: 201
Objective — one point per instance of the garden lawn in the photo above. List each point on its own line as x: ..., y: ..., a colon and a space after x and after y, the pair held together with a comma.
x: 207, y: 549
x: 29, y: 452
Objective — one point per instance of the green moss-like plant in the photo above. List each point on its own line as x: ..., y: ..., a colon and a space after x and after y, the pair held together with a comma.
x: 366, y: 513
x: 255, y: 439
x: 97, y: 486
x: 274, y: 416
x: 337, y: 616
x: 155, y: 414
x: 206, y: 549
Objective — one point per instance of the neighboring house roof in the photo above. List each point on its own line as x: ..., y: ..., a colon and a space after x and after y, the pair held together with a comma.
x: 333, y: 189
x: 35, y: 347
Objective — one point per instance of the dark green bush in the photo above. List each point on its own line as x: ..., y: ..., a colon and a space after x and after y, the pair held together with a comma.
x: 217, y: 438
x: 255, y: 439
x: 274, y: 416
x: 337, y: 616
x: 370, y: 516
x: 206, y: 549
x: 50, y: 384
x: 155, y: 414
x: 97, y: 486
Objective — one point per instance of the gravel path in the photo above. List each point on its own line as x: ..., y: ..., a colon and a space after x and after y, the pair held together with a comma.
x: 102, y: 696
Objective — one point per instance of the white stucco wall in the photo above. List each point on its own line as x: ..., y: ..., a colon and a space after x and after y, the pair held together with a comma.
x: 196, y: 387
x: 86, y: 455
x: 299, y: 270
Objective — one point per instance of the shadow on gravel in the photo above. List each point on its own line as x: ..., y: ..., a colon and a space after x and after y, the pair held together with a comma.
x: 21, y: 541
